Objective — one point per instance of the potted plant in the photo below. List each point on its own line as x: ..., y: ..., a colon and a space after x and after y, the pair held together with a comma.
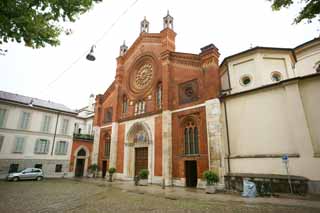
x: 143, y: 176
x: 111, y: 171
x: 212, y: 178
x: 93, y: 168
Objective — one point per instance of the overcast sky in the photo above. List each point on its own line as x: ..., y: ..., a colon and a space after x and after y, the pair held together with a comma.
x: 233, y: 26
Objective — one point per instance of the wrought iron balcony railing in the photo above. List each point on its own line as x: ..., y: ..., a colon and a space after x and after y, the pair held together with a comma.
x: 86, y: 137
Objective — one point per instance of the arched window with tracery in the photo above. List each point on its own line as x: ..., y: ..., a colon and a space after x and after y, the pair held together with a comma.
x: 107, y: 146
x: 140, y: 107
x: 191, y: 138
x: 124, y: 104
x: 159, y: 95
x: 82, y: 152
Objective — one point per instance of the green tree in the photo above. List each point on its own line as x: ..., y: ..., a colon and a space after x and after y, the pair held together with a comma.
x: 309, y: 11
x: 36, y: 22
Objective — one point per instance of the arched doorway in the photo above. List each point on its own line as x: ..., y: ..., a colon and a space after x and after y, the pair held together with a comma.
x: 81, y: 162
x: 138, y: 150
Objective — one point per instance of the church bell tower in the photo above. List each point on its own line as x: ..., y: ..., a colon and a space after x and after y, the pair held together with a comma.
x: 168, y: 21
x: 144, y: 27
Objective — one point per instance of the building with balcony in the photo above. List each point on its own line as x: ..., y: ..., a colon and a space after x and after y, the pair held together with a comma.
x: 83, y: 136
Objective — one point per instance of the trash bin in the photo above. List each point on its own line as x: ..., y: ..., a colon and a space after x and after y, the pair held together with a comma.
x: 249, y: 189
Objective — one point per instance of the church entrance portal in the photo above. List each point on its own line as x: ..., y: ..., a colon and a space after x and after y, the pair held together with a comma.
x: 141, y: 159
x: 191, y: 173
x: 138, y: 150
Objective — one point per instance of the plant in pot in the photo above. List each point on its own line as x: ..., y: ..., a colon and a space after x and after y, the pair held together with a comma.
x: 212, y: 178
x: 111, y: 171
x: 93, y: 168
x: 143, y: 176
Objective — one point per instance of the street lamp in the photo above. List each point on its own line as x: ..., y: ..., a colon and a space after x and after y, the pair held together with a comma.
x: 90, y: 56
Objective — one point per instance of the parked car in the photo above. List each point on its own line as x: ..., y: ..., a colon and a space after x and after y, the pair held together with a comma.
x: 26, y: 174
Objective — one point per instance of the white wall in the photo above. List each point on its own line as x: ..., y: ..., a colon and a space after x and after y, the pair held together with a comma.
x: 283, y: 119
x: 308, y: 59
x: 10, y: 131
x: 86, y: 125
x: 253, y: 116
x: 310, y: 94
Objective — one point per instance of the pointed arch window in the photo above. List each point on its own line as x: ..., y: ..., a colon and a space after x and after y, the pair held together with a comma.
x: 82, y: 152
x: 124, y: 104
x: 107, y: 146
x: 191, y: 138
x: 159, y: 95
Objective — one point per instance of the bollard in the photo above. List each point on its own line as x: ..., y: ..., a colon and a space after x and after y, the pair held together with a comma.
x: 163, y: 184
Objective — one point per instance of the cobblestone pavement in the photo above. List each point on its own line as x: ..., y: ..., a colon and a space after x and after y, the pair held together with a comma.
x: 63, y: 195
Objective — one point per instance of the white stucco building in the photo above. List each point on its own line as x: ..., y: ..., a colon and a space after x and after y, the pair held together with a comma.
x: 39, y: 133
x: 271, y: 101
x: 34, y: 133
x: 84, y: 120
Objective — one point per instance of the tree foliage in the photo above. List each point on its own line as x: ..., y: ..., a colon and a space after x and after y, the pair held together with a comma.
x: 36, y: 22
x: 310, y: 10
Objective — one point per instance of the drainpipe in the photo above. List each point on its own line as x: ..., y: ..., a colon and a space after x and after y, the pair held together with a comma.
x: 223, y: 97
x: 227, y: 130
x: 55, y: 133
x: 228, y: 139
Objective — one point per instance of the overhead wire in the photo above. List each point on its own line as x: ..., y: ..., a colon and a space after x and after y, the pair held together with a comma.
x: 105, y: 33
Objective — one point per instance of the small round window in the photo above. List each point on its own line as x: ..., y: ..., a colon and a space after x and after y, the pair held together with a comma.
x: 276, y: 76
x: 245, y: 80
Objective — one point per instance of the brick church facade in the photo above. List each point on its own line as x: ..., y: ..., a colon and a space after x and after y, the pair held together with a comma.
x: 161, y: 113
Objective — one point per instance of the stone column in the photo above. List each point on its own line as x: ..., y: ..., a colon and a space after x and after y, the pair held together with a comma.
x: 113, y: 145
x: 96, y: 141
x: 167, y: 147
x: 215, y: 145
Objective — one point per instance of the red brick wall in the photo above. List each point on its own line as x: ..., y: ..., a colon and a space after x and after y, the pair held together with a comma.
x: 158, y: 147
x: 171, y: 68
x: 75, y: 145
x: 120, y: 148
x: 178, y: 157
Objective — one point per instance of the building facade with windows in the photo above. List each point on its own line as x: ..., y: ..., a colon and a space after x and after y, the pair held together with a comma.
x: 34, y: 133
x: 159, y: 112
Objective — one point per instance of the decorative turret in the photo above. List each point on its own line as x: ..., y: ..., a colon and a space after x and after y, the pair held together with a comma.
x: 144, y: 28
x: 123, y: 48
x: 168, y: 21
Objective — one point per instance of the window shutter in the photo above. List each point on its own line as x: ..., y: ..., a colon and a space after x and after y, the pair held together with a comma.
x: 27, y: 120
x: 1, y: 141
x: 36, y: 147
x: 19, y: 144
x: 21, y: 120
x: 48, y: 123
x: 2, y: 116
x: 56, y: 151
x: 65, y: 147
x: 47, y: 146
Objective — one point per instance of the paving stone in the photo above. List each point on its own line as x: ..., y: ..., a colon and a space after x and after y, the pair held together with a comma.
x: 64, y: 195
